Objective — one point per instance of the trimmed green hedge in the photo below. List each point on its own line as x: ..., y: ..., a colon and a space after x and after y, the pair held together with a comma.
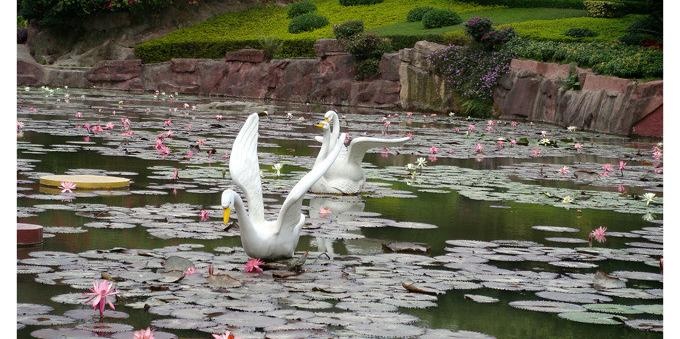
x: 530, y: 3
x: 299, y: 8
x: 306, y: 23
x: 436, y: 18
x: 605, y: 58
x: 359, y: 2
x: 151, y: 52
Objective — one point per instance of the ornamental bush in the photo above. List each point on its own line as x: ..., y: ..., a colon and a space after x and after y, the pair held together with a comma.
x: 580, y: 33
x: 368, y: 69
x: 476, y: 27
x: 482, y: 32
x: 299, y: 8
x: 348, y: 29
x: 417, y: 13
x: 604, y: 9
x: 306, y: 23
x: 359, y: 2
x: 368, y: 46
x: 440, y: 18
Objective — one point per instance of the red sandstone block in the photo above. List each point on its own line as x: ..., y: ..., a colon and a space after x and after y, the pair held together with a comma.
x: 29, y: 234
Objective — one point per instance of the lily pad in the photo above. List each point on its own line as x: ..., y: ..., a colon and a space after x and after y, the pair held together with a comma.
x: 546, y: 306
x: 593, y: 318
x: 646, y: 325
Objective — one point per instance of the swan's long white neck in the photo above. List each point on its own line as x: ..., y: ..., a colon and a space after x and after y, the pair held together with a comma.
x: 336, y: 130
x: 325, y: 147
x: 244, y: 221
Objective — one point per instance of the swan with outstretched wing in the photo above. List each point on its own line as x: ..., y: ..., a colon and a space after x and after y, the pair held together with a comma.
x: 261, y: 238
x: 346, y: 175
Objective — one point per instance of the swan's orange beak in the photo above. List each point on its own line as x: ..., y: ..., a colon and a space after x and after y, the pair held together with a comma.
x: 227, y: 214
x: 322, y: 123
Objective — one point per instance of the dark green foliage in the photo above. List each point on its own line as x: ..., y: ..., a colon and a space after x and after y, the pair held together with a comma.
x: 477, y: 27
x: 604, y: 9
x: 477, y: 108
x: 605, y: 58
x: 368, y: 46
x: 647, y: 31
x: 270, y: 46
x: 530, y: 3
x: 348, y: 29
x: 156, y: 51
x: 299, y: 8
x: 417, y: 13
x: 306, y: 23
x: 368, y: 69
x: 408, y: 41
x: 580, y: 33
x: 440, y: 18
x: 483, y: 34
x: 359, y: 2
x: 571, y: 82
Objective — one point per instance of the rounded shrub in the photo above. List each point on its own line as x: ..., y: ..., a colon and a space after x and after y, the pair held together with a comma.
x: 417, y: 13
x: 477, y: 27
x: 368, y: 69
x: 604, y: 9
x: 348, y: 29
x: 368, y: 46
x: 299, y: 8
x: 306, y: 23
x: 359, y: 2
x: 440, y: 17
x: 580, y: 33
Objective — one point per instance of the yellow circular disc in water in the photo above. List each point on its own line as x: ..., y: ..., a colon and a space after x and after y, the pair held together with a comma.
x: 86, y: 181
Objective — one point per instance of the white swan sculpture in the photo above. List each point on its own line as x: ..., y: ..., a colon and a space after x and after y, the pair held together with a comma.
x: 262, y: 238
x: 346, y: 175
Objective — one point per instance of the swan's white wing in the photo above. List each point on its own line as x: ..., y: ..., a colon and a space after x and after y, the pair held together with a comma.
x: 318, y: 138
x: 244, y: 166
x: 290, y: 211
x: 360, y: 145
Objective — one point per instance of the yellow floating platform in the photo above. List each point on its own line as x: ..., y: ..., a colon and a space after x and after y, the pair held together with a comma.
x: 86, y: 181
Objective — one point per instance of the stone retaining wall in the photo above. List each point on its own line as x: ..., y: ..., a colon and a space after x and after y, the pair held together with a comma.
x: 530, y: 91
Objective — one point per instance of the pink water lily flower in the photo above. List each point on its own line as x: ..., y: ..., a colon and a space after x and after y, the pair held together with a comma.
x: 535, y: 152
x: 622, y: 166
x: 621, y: 188
x: 67, y: 186
x: 606, y: 169
x: 564, y: 170
x: 109, y: 125
x: 167, y: 123
x: 409, y: 114
x: 599, y: 234
x: 86, y: 126
x: 20, y: 125
x: 79, y: 114
x: 101, y: 294
x: 489, y: 128
x: 190, y: 270
x: 513, y: 142
x: 143, y: 334
x: 500, y: 144
x: 226, y: 335
x: 514, y: 124
x: 218, y: 117
x: 204, y: 215
x: 189, y: 154
x: 325, y: 212
x: 125, y: 122
x: 578, y: 146
x: 479, y: 148
x: 253, y: 265
x: 471, y: 128
x: 96, y: 129
x: 434, y: 149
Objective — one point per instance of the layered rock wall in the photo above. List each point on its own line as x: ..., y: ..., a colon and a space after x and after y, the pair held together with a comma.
x: 531, y: 90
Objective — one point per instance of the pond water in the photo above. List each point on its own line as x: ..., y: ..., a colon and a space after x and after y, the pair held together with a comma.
x: 496, y: 198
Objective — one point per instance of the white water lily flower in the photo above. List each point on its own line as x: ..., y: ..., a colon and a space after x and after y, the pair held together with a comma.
x: 571, y: 128
x: 648, y: 217
x: 411, y: 167
x: 648, y: 197
x: 544, y: 141
x: 421, y: 162
x: 277, y: 168
x: 567, y: 200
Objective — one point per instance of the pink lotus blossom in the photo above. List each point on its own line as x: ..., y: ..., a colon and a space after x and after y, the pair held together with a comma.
x: 471, y: 128
x: 143, y: 334
x: 79, y: 114
x: 578, y: 146
x: 125, y: 122
x: 167, y: 123
x: 513, y: 142
x: 658, y: 170
x: 67, y: 186
x: 325, y: 212
x: 514, y: 124
x: 564, y: 170
x: 102, y: 294
x: 190, y: 270
x: 86, y: 126
x: 204, y: 214
x: 109, y: 125
x: 599, y: 234
x: 159, y: 143
x: 86, y: 138
x: 434, y: 149
x: 622, y: 166
x: 163, y: 150
x: 20, y: 126
x: 479, y: 148
x: 175, y: 174
x: 226, y: 335
x: 535, y: 152
x: 621, y: 188
x: 657, y: 154
x: 432, y: 158
x: 96, y: 129
x: 606, y: 169
x: 219, y: 117
x: 253, y: 265
x: 500, y: 144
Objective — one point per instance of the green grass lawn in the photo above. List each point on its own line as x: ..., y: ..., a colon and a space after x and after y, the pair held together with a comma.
x: 229, y: 31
